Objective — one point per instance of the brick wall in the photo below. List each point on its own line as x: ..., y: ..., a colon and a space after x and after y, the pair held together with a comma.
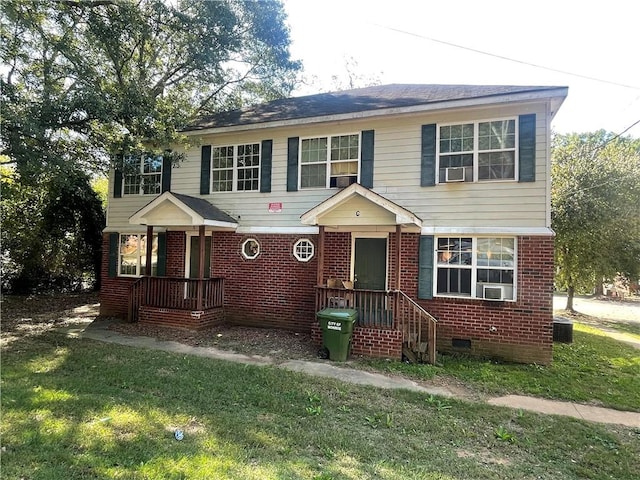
x: 272, y: 290
x: 176, y: 245
x: 337, y: 255
x: 368, y: 342
x: 114, y: 292
x: 276, y: 290
x: 522, y: 330
x: 167, y: 317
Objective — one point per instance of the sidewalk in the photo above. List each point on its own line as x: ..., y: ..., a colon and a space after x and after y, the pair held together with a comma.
x: 99, y: 330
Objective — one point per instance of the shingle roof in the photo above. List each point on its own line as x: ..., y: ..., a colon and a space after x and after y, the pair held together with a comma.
x: 357, y: 100
x: 204, y: 208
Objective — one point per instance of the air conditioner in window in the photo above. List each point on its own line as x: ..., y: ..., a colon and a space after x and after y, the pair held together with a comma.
x: 342, y: 182
x: 493, y: 292
x: 454, y: 174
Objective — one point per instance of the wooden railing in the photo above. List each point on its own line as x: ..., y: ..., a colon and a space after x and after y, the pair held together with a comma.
x: 387, y: 310
x: 416, y: 324
x: 175, y: 292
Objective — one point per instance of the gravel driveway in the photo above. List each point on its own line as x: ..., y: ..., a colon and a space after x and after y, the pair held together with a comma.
x: 606, y: 308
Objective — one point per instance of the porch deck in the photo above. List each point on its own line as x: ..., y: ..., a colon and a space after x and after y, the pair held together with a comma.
x: 197, y: 303
x: 387, y: 310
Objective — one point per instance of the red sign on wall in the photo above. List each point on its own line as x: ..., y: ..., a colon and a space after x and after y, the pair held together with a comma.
x: 275, y: 207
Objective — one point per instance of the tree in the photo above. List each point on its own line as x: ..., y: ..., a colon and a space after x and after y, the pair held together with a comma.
x: 84, y: 82
x: 595, y: 209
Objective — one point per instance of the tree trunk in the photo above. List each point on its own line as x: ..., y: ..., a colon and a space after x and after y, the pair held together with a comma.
x: 570, y: 292
x: 599, y: 288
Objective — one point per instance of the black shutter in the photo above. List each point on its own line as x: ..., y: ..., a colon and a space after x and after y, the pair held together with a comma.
x: 166, y: 173
x: 114, y: 239
x: 428, y: 156
x: 266, y: 152
x: 366, y: 162
x: 205, y: 170
x: 425, y: 268
x: 117, y: 177
x: 162, y: 254
x: 292, y: 164
x: 527, y: 148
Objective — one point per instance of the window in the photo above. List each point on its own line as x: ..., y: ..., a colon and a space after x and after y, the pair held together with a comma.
x: 235, y: 168
x: 250, y: 248
x: 303, y: 250
x: 327, y: 162
x: 132, y: 255
x: 480, y: 151
x: 468, y: 266
x: 142, y: 175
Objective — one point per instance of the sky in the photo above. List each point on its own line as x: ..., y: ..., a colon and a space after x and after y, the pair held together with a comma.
x: 592, y: 47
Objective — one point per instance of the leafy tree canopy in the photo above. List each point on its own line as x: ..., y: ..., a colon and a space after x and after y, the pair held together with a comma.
x: 595, y: 208
x: 83, y: 78
x: 85, y: 81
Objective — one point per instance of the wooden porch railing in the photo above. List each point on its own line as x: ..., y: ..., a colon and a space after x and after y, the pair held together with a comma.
x: 387, y: 309
x: 175, y: 292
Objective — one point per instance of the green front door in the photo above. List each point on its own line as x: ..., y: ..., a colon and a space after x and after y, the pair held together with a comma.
x: 370, y: 265
x: 194, y: 256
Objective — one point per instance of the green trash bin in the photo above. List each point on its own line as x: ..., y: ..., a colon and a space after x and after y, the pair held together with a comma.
x: 337, y: 327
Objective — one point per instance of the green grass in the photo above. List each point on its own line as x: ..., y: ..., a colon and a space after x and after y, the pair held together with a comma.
x: 77, y: 409
x: 594, y: 368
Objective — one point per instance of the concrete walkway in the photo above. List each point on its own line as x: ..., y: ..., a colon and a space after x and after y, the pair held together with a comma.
x: 99, y: 330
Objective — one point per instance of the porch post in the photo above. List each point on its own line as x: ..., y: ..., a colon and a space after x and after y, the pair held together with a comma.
x: 398, y: 254
x: 320, y: 278
x: 148, y: 269
x: 320, y: 273
x: 201, y: 259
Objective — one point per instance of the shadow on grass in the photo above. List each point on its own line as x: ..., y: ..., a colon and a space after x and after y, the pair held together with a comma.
x: 593, y: 369
x: 80, y: 409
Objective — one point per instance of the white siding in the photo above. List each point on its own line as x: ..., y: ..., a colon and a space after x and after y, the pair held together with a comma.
x: 396, y: 177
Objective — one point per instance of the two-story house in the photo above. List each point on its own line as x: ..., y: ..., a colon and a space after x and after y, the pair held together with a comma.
x: 409, y: 203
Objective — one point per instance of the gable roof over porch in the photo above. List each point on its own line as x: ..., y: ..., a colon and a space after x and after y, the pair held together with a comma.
x: 176, y: 209
x: 358, y: 206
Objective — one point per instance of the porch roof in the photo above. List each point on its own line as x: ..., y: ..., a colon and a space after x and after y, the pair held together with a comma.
x: 357, y: 206
x: 176, y: 209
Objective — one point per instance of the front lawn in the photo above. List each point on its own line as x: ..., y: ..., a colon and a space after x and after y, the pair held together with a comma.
x: 592, y: 369
x: 78, y: 409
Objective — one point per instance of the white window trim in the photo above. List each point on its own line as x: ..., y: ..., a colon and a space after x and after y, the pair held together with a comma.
x: 474, y: 267
x: 295, y: 248
x: 138, y: 273
x: 141, y: 174
x: 516, y: 171
x: 234, y: 182
x: 244, y: 243
x: 328, y: 160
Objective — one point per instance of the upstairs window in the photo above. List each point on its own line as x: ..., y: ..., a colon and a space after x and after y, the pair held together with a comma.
x: 235, y: 168
x: 329, y: 162
x: 479, y: 151
x: 142, y: 175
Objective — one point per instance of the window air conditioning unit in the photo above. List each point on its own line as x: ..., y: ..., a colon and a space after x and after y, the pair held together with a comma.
x: 493, y: 292
x: 454, y: 174
x: 342, y: 182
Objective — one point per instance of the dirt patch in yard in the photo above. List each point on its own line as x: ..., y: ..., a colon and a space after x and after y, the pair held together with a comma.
x: 278, y: 344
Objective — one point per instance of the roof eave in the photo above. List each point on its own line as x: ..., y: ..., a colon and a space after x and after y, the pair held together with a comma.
x: 555, y: 95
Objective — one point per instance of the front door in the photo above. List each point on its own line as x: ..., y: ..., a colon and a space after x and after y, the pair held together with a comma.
x: 370, y: 264
x: 194, y: 257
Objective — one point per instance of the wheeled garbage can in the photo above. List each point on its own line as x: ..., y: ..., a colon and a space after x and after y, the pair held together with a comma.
x: 337, y: 328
